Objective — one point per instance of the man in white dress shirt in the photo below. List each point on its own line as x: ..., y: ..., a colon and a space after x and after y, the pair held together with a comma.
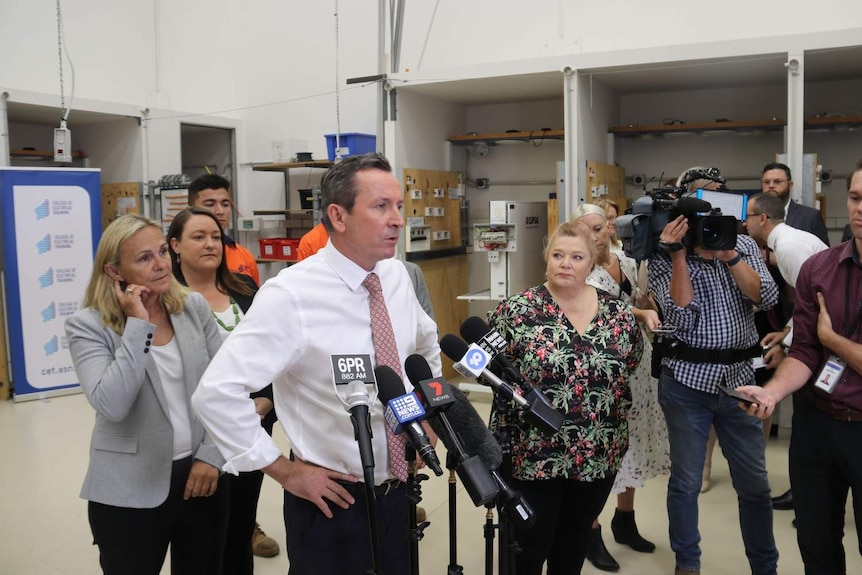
x: 786, y: 248
x: 310, y: 311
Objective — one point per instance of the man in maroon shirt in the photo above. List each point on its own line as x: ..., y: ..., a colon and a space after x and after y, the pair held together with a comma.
x: 825, y: 456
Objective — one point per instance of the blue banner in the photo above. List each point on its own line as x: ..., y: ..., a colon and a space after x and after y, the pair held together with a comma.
x: 51, y: 226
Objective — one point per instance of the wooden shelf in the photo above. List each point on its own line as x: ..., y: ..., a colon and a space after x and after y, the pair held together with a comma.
x: 638, y: 130
x: 40, y: 154
x: 833, y: 121
x: 491, y: 139
x: 275, y: 261
x: 291, y: 165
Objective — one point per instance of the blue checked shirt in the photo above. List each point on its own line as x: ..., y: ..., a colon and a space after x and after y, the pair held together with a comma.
x: 720, y: 316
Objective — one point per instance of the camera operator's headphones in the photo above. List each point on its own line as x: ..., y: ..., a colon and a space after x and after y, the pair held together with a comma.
x: 694, y: 174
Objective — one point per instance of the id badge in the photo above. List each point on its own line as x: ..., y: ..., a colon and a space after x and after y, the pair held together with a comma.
x: 830, y: 374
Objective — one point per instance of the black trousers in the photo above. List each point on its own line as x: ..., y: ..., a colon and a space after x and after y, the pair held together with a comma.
x: 135, y: 541
x: 825, y: 462
x: 342, y: 545
x: 244, y: 492
x: 564, y: 511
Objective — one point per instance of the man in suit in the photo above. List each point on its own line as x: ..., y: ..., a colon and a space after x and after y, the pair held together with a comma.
x: 777, y: 180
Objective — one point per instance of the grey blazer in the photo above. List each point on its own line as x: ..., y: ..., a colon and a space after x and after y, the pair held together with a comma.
x: 131, y: 448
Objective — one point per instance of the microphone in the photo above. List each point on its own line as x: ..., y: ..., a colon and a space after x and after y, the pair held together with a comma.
x: 461, y: 420
x: 403, y: 415
x: 475, y: 330
x: 350, y: 375
x: 473, y: 364
x: 472, y: 470
x: 691, y: 206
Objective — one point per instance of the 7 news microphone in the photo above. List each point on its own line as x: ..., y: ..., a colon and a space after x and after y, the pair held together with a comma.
x: 404, y: 414
x: 540, y: 412
x: 473, y: 361
x: 437, y: 395
x: 462, y: 431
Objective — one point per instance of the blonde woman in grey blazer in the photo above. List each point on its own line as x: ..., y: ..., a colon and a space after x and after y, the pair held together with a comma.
x: 140, y: 346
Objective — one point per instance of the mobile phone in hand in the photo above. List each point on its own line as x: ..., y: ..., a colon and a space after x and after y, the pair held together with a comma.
x: 736, y: 395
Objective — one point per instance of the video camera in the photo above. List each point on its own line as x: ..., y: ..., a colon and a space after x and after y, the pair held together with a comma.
x: 639, y: 229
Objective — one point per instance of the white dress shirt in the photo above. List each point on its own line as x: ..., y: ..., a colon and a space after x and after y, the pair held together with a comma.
x: 792, y: 247
x: 301, y: 317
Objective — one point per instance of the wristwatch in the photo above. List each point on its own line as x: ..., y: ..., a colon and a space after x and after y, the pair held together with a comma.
x: 735, y: 260
x: 671, y: 246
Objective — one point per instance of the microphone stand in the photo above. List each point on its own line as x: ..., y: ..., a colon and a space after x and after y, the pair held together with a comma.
x: 452, y: 465
x: 415, y: 532
x: 362, y: 431
x: 508, y: 546
x: 488, y: 531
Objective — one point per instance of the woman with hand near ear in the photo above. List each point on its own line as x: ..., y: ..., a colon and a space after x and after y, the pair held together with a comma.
x: 197, y: 255
x: 140, y: 345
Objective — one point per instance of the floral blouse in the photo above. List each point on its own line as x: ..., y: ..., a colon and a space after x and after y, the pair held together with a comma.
x: 584, y: 377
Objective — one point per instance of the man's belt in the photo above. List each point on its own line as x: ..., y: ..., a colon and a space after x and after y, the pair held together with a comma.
x: 841, y: 414
x: 678, y: 350
x: 358, y: 489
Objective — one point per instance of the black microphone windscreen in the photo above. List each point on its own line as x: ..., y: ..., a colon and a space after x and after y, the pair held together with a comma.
x: 473, y: 329
x: 417, y: 369
x: 471, y: 430
x: 389, y: 384
x: 453, y: 347
x: 690, y: 206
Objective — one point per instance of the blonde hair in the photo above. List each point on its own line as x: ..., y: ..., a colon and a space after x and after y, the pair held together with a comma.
x: 587, y: 209
x: 604, y: 204
x: 100, y: 291
x: 572, y: 229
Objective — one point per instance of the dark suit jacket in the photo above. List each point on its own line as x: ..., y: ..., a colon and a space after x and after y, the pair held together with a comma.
x: 131, y: 448
x: 808, y: 219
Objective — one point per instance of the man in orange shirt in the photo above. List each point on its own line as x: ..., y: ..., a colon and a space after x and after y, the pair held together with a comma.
x: 312, y: 241
x: 212, y: 192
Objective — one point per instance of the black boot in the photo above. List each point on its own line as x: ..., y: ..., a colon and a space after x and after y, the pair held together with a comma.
x: 626, y: 532
x: 598, y: 554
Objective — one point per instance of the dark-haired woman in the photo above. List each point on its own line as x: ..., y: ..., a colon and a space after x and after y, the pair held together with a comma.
x: 197, y: 255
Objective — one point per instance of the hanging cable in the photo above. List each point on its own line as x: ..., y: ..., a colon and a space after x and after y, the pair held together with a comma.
x: 337, y: 93
x: 61, y: 49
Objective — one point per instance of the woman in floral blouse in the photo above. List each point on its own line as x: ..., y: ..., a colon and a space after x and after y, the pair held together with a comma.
x: 579, y: 346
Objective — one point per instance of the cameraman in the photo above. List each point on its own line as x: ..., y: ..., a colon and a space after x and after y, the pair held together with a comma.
x: 710, y: 297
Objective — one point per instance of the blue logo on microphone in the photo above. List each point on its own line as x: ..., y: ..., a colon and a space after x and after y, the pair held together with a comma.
x: 477, y: 358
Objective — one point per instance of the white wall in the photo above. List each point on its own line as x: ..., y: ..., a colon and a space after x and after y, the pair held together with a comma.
x: 110, y: 42
x: 115, y: 147
x: 482, y: 31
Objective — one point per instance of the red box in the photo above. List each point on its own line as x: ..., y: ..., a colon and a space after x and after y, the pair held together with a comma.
x: 279, y: 248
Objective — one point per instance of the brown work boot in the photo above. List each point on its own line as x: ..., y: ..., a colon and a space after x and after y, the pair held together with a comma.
x: 263, y: 545
x: 680, y: 571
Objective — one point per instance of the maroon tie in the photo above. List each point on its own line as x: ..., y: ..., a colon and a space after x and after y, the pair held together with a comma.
x: 387, y: 354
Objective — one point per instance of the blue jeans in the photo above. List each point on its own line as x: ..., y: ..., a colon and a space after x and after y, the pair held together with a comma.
x: 689, y: 414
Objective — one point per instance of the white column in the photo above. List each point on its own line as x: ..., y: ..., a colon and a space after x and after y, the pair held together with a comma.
x: 794, y: 133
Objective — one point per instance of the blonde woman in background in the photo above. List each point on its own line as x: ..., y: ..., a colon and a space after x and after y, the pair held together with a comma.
x: 648, y: 453
x: 612, y: 212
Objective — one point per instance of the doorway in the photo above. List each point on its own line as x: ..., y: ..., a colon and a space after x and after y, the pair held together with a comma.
x: 208, y: 150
